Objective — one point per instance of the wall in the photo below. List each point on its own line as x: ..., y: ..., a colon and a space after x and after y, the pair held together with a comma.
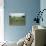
x: 29, y: 7
x: 43, y: 6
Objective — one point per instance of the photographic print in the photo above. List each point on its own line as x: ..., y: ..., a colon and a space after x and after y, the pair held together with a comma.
x: 17, y: 19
